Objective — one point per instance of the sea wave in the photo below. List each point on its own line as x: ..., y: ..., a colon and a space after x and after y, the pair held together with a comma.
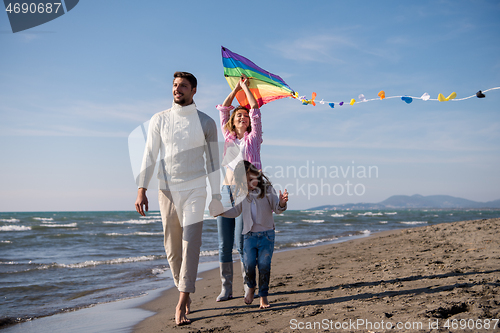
x: 69, y: 225
x: 392, y: 213
x: 313, y: 242
x: 130, y: 222
x: 14, y: 228
x: 138, y: 233
x: 338, y: 215
x: 91, y: 263
x: 43, y: 218
x: 157, y: 271
x: 80, y: 265
x: 315, y: 212
x: 211, y: 253
x: 413, y: 222
x: 9, y: 220
x: 370, y: 214
x: 313, y: 221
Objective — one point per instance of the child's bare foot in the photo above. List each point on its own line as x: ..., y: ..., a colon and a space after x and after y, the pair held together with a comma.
x: 264, y: 304
x: 249, y: 295
x: 180, y: 316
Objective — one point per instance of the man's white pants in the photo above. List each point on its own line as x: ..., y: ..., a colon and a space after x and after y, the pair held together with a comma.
x: 182, y: 218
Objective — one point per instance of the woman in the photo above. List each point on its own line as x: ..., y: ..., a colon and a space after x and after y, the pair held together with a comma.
x: 242, y: 132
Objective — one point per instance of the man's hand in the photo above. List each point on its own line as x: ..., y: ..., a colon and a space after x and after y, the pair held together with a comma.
x: 215, y: 208
x: 141, y: 201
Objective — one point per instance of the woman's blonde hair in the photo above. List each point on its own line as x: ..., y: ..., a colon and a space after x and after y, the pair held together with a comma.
x: 230, y: 124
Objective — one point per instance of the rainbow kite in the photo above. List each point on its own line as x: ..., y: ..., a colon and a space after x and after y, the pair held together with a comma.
x: 265, y: 86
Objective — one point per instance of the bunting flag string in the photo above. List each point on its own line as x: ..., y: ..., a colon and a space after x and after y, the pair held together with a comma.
x: 407, y: 99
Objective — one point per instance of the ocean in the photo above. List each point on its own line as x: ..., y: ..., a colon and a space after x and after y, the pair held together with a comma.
x: 55, y: 262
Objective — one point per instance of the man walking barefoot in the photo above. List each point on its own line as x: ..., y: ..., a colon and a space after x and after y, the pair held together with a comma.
x: 182, y: 135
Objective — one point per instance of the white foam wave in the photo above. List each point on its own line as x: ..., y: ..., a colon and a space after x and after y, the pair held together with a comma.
x: 9, y: 220
x: 370, y: 214
x: 383, y: 222
x: 151, y: 217
x: 288, y: 222
x: 14, y: 228
x: 211, y: 253
x: 157, y: 271
x: 43, y: 218
x: 5, y: 242
x: 394, y: 213
x: 69, y: 225
x: 130, y: 222
x: 138, y: 233
x: 347, y: 224
x: 313, y: 221
x: 366, y: 232
x: 91, y: 263
x: 314, y: 242
x: 413, y: 222
x: 338, y: 215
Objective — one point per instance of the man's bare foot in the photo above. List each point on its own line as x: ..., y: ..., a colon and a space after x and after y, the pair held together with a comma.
x: 264, y: 304
x: 188, y: 306
x: 249, y: 295
x: 180, y: 316
x: 182, y: 309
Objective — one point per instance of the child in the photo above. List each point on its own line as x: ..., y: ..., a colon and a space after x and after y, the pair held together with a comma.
x: 258, y: 226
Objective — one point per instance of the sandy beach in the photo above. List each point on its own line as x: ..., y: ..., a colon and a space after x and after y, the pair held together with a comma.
x: 440, y: 278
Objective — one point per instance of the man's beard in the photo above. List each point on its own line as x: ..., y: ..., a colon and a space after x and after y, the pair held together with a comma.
x: 180, y: 101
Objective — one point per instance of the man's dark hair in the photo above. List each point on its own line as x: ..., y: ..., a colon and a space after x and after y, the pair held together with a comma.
x: 188, y: 76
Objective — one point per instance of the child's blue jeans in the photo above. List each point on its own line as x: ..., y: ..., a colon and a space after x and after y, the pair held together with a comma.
x: 258, y: 248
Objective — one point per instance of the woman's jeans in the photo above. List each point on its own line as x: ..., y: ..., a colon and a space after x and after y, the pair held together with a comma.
x: 229, y: 229
x: 258, y: 248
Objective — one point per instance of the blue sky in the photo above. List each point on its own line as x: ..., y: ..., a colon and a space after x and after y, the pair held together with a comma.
x: 73, y: 89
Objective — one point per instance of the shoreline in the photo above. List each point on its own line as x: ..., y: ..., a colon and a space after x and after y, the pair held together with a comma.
x: 122, y: 308
x: 152, y: 310
x: 424, y: 274
x: 172, y: 293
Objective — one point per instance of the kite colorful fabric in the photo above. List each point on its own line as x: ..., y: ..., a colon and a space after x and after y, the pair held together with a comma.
x: 265, y: 86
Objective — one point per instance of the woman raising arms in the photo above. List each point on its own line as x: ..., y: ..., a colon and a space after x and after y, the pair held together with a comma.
x: 242, y: 130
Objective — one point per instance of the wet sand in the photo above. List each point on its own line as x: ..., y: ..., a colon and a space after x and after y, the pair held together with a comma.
x: 418, y: 279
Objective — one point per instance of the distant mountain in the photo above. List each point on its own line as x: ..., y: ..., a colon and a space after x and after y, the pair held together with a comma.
x: 418, y: 201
